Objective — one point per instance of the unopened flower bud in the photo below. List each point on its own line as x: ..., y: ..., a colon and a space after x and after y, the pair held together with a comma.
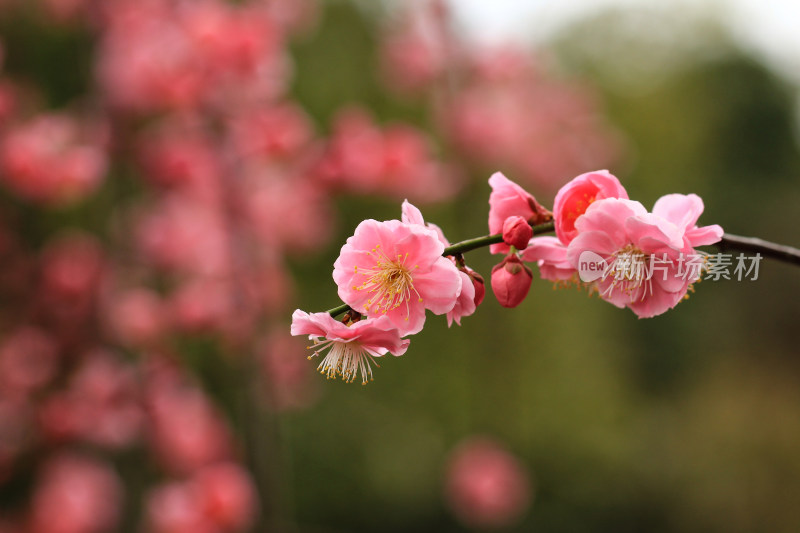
x: 478, y: 283
x: 517, y: 232
x: 511, y: 281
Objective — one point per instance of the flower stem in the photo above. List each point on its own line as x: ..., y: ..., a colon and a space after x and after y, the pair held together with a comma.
x: 780, y: 252
x: 338, y: 310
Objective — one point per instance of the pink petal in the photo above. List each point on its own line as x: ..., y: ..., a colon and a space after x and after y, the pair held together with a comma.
x: 704, y: 235
x: 681, y: 209
x: 440, y: 287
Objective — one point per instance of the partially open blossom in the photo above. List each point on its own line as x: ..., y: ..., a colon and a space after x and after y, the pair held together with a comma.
x: 647, y: 257
x: 511, y: 281
x: 397, y: 270
x: 486, y: 486
x: 550, y: 254
x: 575, y: 197
x: 507, y: 200
x: 517, y: 232
x: 351, y: 349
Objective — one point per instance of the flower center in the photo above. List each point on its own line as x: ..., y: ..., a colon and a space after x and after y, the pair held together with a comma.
x: 345, y: 359
x: 627, y: 271
x: 389, y: 282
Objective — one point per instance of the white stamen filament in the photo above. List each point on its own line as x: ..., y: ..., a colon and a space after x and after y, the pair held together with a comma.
x: 628, y: 272
x: 345, y: 359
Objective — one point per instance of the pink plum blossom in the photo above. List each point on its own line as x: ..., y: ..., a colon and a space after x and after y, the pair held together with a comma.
x: 646, y: 253
x: 509, y: 199
x: 396, y: 269
x: 351, y: 348
x: 575, y: 197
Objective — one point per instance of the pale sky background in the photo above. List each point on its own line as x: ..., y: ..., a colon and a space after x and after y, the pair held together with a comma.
x: 769, y: 28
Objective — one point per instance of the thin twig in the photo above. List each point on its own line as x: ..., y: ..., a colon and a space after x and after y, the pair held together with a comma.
x: 780, y: 252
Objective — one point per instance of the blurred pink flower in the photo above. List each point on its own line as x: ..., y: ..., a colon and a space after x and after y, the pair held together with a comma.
x: 396, y: 270
x: 396, y: 161
x: 72, y: 269
x: 52, y: 159
x: 76, y: 494
x: 219, y: 498
x: 16, y: 431
x: 509, y: 113
x: 136, y: 317
x: 227, y: 496
x: 286, y: 210
x: 287, y: 376
x: 575, y: 197
x: 180, y: 154
x: 414, y: 52
x: 102, y: 404
x: 351, y: 348
x: 186, y: 430
x: 509, y: 199
x: 486, y: 486
x: 175, y: 508
x: 185, y: 236
x: 28, y: 360
x: 157, y: 55
x: 280, y: 131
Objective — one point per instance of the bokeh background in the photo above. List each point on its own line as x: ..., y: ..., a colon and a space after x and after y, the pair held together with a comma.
x: 177, y: 176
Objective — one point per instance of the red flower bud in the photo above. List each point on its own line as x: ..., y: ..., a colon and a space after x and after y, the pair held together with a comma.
x: 511, y: 281
x: 517, y: 232
x: 478, y: 283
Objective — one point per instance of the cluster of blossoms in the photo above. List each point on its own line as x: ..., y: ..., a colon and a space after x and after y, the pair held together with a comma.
x: 390, y: 273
